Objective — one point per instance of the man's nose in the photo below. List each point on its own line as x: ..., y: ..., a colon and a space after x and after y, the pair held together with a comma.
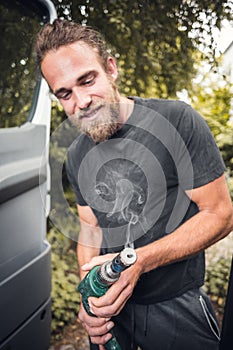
x: 82, y: 99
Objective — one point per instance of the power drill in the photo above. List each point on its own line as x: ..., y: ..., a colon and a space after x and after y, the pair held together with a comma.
x: 100, y: 278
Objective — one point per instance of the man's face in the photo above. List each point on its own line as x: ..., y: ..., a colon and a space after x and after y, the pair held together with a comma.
x: 86, y: 91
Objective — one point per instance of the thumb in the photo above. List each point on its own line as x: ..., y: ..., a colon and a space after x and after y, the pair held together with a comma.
x: 86, y: 267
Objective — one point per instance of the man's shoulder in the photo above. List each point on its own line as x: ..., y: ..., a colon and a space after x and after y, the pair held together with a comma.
x: 172, y: 110
x: 159, y: 104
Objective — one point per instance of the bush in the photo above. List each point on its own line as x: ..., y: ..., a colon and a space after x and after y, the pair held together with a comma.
x: 218, y: 263
x: 65, y: 298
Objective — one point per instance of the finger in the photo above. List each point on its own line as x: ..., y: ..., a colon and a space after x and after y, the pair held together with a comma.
x: 101, y: 340
x: 97, y: 260
x: 100, y: 330
x: 93, y: 321
x: 113, y: 293
x: 114, y: 307
x: 120, y: 290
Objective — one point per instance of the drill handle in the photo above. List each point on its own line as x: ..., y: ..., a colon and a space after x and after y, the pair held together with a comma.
x: 87, y: 289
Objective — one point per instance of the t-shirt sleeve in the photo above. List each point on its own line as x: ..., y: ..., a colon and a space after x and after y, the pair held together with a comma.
x: 206, y: 160
x: 72, y: 167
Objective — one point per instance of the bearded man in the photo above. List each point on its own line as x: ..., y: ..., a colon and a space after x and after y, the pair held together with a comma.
x: 146, y: 173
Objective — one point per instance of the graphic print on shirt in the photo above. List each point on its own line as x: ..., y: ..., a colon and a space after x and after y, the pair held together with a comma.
x: 123, y: 183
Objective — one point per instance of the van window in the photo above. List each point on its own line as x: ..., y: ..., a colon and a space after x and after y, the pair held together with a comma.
x: 18, y: 73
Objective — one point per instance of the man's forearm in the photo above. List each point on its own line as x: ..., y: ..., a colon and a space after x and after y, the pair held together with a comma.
x: 195, y: 235
x: 213, y: 222
x: 84, y: 255
x: 89, y: 243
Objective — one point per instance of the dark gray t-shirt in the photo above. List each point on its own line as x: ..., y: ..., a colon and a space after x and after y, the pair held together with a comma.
x: 135, y: 183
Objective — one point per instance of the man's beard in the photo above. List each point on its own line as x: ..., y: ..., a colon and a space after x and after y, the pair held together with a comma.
x: 100, y: 130
x: 104, y: 126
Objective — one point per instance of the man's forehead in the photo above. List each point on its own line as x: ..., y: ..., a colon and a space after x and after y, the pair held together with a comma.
x: 80, y: 47
x: 76, y: 56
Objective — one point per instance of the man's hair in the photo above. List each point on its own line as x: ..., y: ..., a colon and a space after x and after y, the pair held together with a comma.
x: 64, y: 32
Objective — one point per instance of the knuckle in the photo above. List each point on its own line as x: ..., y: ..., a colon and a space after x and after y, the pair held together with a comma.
x: 124, y: 282
x: 97, y: 332
x: 94, y: 340
x: 92, y: 261
x: 108, y: 302
x: 89, y: 330
x: 80, y: 317
x: 111, y: 310
x: 105, y: 313
x: 125, y: 293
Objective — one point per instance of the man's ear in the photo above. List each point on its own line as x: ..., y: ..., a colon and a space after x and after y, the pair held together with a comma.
x: 112, y: 68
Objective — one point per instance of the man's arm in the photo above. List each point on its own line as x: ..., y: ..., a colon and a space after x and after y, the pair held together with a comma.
x: 213, y: 222
x: 90, y: 237
x: 88, y: 248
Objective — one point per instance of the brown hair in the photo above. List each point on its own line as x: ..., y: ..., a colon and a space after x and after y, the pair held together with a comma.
x: 64, y: 32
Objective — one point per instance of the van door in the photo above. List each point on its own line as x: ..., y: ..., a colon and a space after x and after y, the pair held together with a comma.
x: 25, y: 273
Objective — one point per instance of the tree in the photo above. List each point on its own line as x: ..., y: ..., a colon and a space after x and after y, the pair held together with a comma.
x: 154, y: 41
x: 211, y: 95
x: 18, y: 77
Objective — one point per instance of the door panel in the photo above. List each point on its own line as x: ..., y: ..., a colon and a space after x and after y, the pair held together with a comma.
x: 21, y: 159
x: 37, y: 326
x: 32, y: 279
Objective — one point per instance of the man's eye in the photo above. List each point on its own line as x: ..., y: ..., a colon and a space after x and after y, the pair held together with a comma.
x: 64, y: 95
x: 89, y: 81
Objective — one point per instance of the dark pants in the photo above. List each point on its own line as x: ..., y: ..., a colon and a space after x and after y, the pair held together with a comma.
x: 187, y: 322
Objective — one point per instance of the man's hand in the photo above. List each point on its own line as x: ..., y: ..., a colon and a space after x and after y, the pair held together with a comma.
x: 97, y: 260
x: 113, y: 301
x: 109, y: 304
x: 97, y: 328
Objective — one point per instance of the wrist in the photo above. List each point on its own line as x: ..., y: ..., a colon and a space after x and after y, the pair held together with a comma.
x: 146, y: 259
x: 140, y: 262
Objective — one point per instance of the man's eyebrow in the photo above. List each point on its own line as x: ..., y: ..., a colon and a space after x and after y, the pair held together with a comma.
x: 83, y: 77
x: 57, y: 92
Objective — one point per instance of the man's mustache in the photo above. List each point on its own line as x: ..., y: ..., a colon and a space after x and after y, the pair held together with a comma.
x: 87, y: 112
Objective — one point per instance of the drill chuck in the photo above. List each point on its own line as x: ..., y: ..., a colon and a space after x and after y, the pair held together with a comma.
x: 125, y: 259
x: 110, y: 271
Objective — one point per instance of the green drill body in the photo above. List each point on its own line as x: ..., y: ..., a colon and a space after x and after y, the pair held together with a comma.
x: 91, y: 286
x: 100, y: 278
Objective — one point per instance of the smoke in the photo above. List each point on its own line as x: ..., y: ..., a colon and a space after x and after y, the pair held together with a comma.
x: 128, y: 197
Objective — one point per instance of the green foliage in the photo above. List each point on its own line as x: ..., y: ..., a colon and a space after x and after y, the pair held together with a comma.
x: 65, y: 298
x: 18, y: 28
x: 211, y: 95
x: 218, y: 263
x: 153, y: 41
x: 62, y: 234
x: 217, y: 282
